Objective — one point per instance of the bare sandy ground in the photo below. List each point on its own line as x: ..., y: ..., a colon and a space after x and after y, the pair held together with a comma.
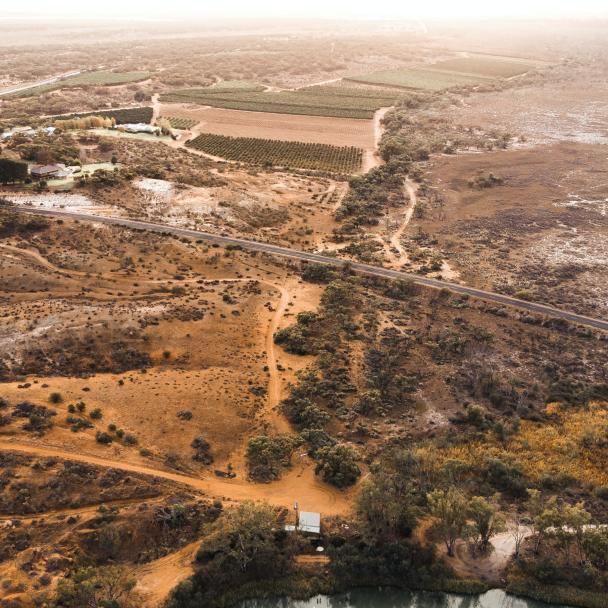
x: 574, y: 110
x: 309, y: 129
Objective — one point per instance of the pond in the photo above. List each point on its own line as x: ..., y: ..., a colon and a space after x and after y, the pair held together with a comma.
x: 396, y: 598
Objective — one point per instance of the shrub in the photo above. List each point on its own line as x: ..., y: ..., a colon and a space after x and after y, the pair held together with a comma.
x: 103, y: 438
x: 319, y: 273
x: 108, y: 586
x: 96, y: 414
x: 338, y: 465
x: 130, y: 439
x: 201, y: 450
x: 266, y: 456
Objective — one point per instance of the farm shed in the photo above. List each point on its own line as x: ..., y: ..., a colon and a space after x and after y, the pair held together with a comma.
x: 307, y: 521
x: 49, y: 171
x: 139, y: 127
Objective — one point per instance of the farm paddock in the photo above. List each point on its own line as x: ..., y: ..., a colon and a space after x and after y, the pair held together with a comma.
x: 321, y: 157
x: 267, y: 125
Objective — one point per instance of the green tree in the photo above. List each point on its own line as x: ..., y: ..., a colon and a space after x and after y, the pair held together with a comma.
x: 487, y: 519
x: 243, y: 538
x: 387, y: 503
x: 107, y: 587
x: 595, y: 546
x: 449, y: 510
x: 266, y: 456
x: 576, y: 519
x: 12, y: 171
x: 536, y: 506
x: 338, y: 465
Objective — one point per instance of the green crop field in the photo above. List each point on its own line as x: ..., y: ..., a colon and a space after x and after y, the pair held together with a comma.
x: 86, y: 79
x: 485, y: 66
x: 123, y: 116
x: 180, y: 123
x: 418, y: 78
x: 456, y: 72
x: 316, y: 101
x: 291, y: 154
x: 234, y: 86
x: 341, y: 89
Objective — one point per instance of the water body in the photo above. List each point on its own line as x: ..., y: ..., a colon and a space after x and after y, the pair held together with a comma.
x: 396, y: 598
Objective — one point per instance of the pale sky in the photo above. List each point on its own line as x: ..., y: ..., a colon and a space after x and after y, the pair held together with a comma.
x: 322, y: 9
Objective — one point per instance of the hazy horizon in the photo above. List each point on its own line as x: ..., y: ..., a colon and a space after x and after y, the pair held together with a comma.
x: 313, y: 9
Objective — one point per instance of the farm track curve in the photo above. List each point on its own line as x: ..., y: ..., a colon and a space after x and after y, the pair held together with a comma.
x: 280, y: 493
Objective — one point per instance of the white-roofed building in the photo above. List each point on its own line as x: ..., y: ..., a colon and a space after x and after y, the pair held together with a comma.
x: 309, y: 521
x: 306, y: 521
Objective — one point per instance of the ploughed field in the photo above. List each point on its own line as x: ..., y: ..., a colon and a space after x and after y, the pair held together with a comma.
x: 286, y: 127
x: 343, y: 159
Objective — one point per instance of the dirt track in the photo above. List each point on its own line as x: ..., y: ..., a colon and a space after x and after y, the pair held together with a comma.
x: 156, y: 579
x: 295, y: 485
x: 410, y: 190
x: 88, y: 509
x: 274, y: 381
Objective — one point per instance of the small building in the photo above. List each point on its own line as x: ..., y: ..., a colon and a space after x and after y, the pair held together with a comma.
x: 57, y: 171
x: 23, y: 131
x: 139, y: 127
x: 306, y: 521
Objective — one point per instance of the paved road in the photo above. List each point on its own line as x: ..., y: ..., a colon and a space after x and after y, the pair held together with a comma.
x: 322, y: 259
x: 32, y: 85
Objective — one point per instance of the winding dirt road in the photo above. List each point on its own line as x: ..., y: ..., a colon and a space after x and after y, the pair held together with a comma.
x: 280, y: 493
x: 410, y: 191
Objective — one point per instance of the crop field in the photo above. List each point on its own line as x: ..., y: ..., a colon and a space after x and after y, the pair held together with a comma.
x: 122, y: 116
x: 181, y: 123
x: 459, y: 71
x: 317, y: 101
x: 87, y: 79
x: 291, y: 154
x: 418, y: 78
x: 286, y: 127
x: 234, y: 86
x: 485, y: 66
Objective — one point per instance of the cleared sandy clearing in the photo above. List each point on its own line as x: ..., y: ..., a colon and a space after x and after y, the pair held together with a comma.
x: 287, y: 127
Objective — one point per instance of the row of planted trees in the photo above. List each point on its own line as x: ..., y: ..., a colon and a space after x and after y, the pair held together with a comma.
x: 87, y: 122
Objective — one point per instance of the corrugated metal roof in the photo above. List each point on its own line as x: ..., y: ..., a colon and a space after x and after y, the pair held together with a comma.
x: 46, y: 169
x: 309, y: 522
